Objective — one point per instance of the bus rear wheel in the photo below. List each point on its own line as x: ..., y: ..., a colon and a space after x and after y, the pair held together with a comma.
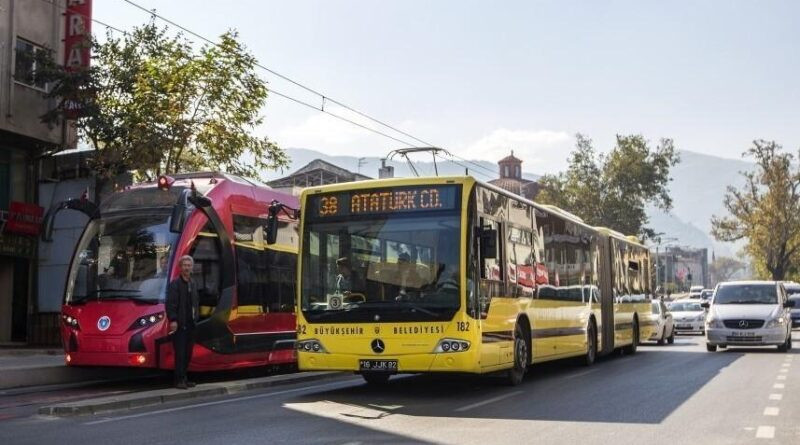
x: 591, y: 344
x: 521, y: 357
x: 376, y: 378
x: 631, y: 348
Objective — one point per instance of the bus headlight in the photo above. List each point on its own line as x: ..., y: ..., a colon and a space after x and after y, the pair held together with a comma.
x: 714, y: 323
x: 147, y: 320
x: 310, y: 346
x: 451, y: 345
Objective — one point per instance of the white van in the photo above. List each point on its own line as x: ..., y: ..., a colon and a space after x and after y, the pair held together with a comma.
x: 749, y: 313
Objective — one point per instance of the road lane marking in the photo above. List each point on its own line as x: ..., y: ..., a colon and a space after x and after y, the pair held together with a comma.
x: 786, y: 365
x: 775, y: 396
x: 771, y: 411
x: 765, y: 432
x: 488, y: 401
x: 784, y: 371
x: 579, y: 374
x: 781, y: 377
x: 778, y: 386
x: 219, y: 402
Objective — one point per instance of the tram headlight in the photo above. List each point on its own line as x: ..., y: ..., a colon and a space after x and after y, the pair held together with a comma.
x: 147, y: 320
x: 310, y: 346
x: 451, y: 345
x: 70, y: 321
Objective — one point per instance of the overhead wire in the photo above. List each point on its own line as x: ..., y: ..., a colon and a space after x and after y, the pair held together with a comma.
x: 491, y: 173
x: 325, y: 98
x: 271, y: 90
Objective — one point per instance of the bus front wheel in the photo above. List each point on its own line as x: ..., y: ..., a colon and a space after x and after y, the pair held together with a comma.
x: 376, y: 378
x: 521, y: 357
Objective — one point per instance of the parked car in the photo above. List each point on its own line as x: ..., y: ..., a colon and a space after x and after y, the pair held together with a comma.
x: 665, y: 328
x: 793, y: 291
x: 688, y: 315
x: 749, y: 313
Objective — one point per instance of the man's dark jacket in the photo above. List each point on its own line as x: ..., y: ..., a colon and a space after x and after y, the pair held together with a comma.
x: 183, y: 305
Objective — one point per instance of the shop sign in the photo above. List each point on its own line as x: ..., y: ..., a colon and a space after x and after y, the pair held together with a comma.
x: 24, y: 218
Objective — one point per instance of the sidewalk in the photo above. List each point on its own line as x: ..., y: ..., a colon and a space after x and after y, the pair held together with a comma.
x: 110, y: 404
x: 21, y: 367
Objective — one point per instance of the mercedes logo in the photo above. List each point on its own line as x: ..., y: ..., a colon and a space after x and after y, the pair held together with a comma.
x: 378, y: 346
x: 743, y: 324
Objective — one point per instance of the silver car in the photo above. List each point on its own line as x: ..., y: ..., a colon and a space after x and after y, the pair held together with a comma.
x: 749, y: 313
x: 688, y: 315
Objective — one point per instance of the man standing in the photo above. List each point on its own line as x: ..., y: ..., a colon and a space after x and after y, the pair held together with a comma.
x: 182, y: 311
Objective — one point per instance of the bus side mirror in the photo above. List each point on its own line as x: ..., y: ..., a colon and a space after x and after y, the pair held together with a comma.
x: 705, y: 304
x: 271, y: 229
x: 178, y: 218
x: 488, y: 243
x: 789, y: 303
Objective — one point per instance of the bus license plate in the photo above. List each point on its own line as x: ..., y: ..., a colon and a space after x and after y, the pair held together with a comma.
x: 378, y: 365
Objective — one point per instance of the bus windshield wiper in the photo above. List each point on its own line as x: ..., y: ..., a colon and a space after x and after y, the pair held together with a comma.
x: 397, y: 304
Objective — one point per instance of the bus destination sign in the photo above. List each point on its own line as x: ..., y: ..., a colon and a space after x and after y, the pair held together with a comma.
x: 382, y: 201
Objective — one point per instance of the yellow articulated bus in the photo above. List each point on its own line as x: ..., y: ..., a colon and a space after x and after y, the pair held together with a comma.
x: 450, y: 274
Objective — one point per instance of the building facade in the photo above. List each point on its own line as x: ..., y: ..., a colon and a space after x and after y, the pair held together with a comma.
x: 679, y: 268
x: 26, y: 28
x: 510, y: 169
x: 316, y: 172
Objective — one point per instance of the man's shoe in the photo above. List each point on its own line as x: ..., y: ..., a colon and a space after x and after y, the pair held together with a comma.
x: 191, y: 384
x: 182, y: 385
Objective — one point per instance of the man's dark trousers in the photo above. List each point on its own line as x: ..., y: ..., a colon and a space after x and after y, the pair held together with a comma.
x: 183, y: 342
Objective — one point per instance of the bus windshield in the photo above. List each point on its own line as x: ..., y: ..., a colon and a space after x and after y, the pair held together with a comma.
x: 122, y: 256
x: 385, y: 267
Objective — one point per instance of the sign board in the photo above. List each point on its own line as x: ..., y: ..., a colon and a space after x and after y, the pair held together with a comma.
x: 24, y: 218
x: 77, y: 42
x: 385, y: 201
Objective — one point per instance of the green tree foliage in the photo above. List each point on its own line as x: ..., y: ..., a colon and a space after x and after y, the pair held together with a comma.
x: 765, y: 211
x: 153, y: 104
x: 613, y: 190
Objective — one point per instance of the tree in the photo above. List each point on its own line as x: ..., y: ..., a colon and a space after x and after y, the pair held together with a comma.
x: 153, y: 104
x: 725, y: 268
x: 613, y: 190
x: 765, y: 211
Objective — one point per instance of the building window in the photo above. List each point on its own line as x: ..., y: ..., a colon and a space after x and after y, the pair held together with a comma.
x: 26, y: 64
x: 519, y: 171
x: 505, y: 171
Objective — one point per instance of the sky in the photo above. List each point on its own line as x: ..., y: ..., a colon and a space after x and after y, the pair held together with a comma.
x: 483, y: 78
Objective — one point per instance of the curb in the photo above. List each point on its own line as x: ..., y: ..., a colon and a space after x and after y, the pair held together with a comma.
x: 157, y: 397
x: 54, y: 375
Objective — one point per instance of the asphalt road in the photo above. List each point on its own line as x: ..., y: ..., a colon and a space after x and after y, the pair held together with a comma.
x: 678, y: 394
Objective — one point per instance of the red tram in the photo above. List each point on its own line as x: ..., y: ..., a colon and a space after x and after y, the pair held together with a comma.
x: 113, y: 312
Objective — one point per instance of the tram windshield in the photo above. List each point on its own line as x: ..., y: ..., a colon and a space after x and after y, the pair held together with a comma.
x: 122, y: 256
x: 384, y: 263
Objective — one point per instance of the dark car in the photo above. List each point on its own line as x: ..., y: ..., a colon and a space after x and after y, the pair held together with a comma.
x: 793, y: 291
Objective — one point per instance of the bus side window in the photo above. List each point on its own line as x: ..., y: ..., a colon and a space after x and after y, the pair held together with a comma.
x: 491, y: 269
x: 207, y: 269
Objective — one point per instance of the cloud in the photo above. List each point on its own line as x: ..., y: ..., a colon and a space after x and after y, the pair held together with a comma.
x: 321, y: 130
x: 542, y: 151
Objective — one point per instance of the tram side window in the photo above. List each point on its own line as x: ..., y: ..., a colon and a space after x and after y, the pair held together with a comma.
x: 265, y: 277
x: 207, y: 269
